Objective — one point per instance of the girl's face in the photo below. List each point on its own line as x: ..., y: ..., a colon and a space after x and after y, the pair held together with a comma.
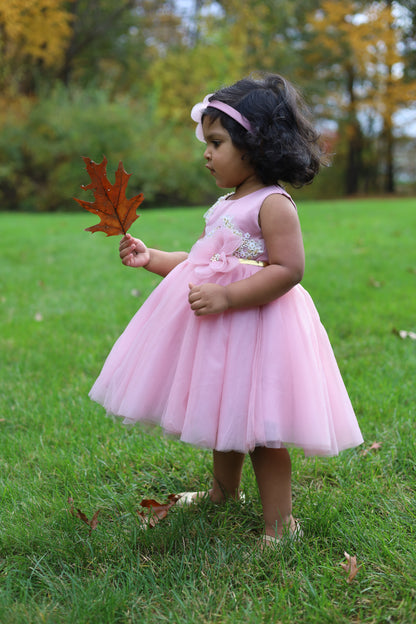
x: 224, y: 160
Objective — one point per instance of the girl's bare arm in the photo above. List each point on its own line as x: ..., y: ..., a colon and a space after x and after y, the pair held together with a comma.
x: 134, y: 253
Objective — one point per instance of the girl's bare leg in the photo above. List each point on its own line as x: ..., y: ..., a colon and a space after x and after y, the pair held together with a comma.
x: 273, y: 470
x: 227, y: 475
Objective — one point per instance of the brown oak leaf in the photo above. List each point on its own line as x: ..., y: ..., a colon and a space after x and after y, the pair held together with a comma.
x: 350, y: 567
x: 117, y: 213
x: 154, y: 511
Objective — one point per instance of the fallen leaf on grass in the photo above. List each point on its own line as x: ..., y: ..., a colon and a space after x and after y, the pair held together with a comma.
x: 375, y: 283
x: 80, y: 514
x: 94, y: 521
x: 376, y: 446
x: 350, y: 567
x: 117, y: 213
x: 154, y: 511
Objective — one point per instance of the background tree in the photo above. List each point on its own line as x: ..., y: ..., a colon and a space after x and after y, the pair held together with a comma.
x: 33, y: 38
x: 120, y: 77
x: 389, y: 92
x: 355, y: 48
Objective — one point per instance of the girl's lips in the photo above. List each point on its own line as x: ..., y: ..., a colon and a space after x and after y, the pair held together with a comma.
x: 210, y: 169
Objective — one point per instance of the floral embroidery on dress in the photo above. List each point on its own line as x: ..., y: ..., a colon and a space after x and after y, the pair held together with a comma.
x: 249, y: 249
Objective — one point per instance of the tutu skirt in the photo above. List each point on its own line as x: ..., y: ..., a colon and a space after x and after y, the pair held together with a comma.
x: 263, y: 376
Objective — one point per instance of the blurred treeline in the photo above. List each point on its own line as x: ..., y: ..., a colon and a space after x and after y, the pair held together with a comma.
x: 119, y: 77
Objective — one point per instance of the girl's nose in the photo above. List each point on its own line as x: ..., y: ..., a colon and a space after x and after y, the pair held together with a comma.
x: 207, y: 154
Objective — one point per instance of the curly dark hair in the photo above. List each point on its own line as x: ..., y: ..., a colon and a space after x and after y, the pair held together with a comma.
x: 284, y: 145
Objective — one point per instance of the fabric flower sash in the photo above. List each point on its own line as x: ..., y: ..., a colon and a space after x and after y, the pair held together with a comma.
x: 214, y: 252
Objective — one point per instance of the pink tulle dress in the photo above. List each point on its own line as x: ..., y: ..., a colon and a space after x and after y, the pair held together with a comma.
x: 263, y: 376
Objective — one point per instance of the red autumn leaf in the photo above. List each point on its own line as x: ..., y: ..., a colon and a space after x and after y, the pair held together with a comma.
x: 117, y: 213
x: 155, y: 511
x: 350, y: 567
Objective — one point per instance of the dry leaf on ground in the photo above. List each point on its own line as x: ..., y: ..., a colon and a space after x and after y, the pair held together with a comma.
x: 350, y: 567
x: 376, y: 446
x: 80, y: 514
x: 154, y: 511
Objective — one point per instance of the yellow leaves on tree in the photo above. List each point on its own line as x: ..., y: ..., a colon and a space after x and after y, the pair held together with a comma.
x: 247, y: 35
x: 38, y: 29
x: 365, y: 42
x: 239, y: 40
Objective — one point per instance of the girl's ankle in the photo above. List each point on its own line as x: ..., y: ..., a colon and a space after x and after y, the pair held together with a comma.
x: 281, y: 527
x: 218, y: 496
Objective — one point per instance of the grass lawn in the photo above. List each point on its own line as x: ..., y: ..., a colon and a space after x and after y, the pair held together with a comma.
x: 64, y: 299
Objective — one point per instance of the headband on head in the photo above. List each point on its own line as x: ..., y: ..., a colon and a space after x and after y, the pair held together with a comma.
x: 198, y: 109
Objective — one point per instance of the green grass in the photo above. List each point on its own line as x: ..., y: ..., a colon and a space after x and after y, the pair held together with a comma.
x: 65, y: 298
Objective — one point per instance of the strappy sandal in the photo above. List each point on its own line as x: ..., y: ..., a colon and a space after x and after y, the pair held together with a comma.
x: 189, y: 498
x: 290, y: 535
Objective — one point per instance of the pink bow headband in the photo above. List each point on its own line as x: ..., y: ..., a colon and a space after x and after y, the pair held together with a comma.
x: 198, y: 109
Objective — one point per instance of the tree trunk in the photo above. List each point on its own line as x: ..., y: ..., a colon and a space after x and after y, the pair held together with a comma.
x: 354, y: 138
x: 389, y: 183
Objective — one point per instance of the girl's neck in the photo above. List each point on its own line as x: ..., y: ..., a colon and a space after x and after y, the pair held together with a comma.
x: 245, y: 188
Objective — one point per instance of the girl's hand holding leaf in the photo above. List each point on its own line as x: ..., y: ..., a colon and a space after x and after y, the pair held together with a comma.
x: 133, y: 252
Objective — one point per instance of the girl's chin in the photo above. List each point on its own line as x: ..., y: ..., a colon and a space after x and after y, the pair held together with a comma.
x: 222, y: 185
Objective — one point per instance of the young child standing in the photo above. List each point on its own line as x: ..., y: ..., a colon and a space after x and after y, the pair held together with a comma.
x: 228, y: 352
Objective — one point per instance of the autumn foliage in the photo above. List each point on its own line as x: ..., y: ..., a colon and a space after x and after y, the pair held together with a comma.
x: 38, y: 29
x: 121, y: 78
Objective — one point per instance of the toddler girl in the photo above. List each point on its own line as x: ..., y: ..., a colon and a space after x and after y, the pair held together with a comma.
x: 228, y: 352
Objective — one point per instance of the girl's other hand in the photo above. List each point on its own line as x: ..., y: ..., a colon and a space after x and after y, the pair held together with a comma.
x: 133, y: 252
x: 208, y: 299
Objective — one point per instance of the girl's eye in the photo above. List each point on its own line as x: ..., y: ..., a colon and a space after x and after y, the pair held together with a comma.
x: 216, y: 143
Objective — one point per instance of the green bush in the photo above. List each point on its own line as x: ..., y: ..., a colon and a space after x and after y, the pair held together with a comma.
x: 40, y: 156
